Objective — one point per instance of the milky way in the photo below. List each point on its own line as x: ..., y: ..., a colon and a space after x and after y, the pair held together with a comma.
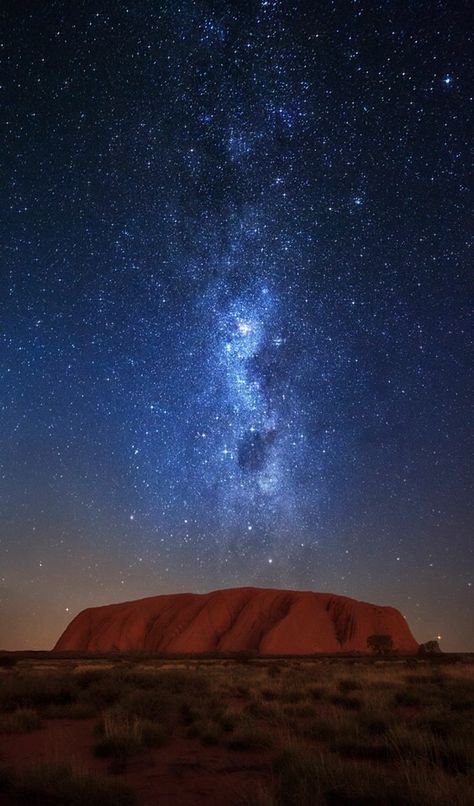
x: 236, y: 333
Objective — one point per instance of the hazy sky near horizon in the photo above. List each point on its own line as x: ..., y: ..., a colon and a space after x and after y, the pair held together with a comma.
x: 236, y: 306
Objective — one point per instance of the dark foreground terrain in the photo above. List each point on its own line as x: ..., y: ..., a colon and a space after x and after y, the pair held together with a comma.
x: 257, y: 732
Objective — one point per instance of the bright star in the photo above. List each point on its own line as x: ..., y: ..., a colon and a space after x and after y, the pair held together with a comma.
x: 244, y: 328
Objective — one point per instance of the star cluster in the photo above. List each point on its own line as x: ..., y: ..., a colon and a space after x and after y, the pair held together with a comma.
x: 235, y: 311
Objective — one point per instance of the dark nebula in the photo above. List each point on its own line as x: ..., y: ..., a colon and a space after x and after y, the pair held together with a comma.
x: 254, y: 449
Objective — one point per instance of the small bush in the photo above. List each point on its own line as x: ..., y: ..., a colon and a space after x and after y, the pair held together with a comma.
x: 348, y: 684
x: 322, y: 729
x: 317, y: 693
x: 273, y: 670
x: 85, y: 678
x: 152, y: 734
x: 358, y: 749
x: 75, y: 710
x: 60, y: 784
x: 259, y: 709
x: 409, y: 699
x: 297, y: 778
x: 299, y: 710
x: 437, y: 724
x: 228, y: 720
x: 455, y: 757
x: 23, y: 720
x: 249, y: 738
x: 191, y: 713
x: 6, y: 777
x: 208, y: 732
x: 104, y: 691
x: 291, y: 694
x: 8, y: 661
x: 349, y: 703
x: 374, y: 724
x: 462, y: 704
x: 269, y: 694
x: 123, y: 736
x: 116, y: 747
x: 25, y: 691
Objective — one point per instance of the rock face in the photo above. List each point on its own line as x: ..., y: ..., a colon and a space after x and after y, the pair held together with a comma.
x: 267, y: 621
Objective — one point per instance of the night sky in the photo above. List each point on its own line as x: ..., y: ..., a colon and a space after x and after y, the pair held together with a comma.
x: 236, y: 342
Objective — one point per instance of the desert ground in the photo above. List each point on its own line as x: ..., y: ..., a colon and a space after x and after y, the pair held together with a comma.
x: 239, y: 731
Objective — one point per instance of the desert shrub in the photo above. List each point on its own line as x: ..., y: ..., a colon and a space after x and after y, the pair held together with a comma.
x: 258, y: 795
x: 355, y: 747
x: 74, y: 710
x: 7, y: 661
x: 26, y: 691
x: 462, y: 704
x: 269, y: 694
x: 322, y: 729
x: 88, y: 676
x: 152, y: 704
x: 409, y: 698
x: 249, y: 737
x: 273, y: 670
x: 349, y: 703
x: 119, y: 746
x: 297, y: 778
x: 192, y: 682
x: 305, y: 778
x: 228, y: 720
x: 6, y: 777
x: 291, y: 694
x: 241, y: 691
x: 380, y: 644
x: 411, y: 743
x: 123, y: 736
x: 190, y: 712
x: 420, y: 679
x: 419, y: 783
x: 348, y: 684
x: 152, y: 734
x: 259, y: 709
x: 104, y: 691
x: 207, y: 731
x: 439, y: 724
x: 375, y: 723
x: 62, y: 785
x: 299, y: 710
x: 455, y: 756
x: 23, y: 720
x: 317, y: 693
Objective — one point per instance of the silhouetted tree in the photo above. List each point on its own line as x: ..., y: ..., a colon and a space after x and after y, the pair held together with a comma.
x: 430, y: 648
x: 380, y: 644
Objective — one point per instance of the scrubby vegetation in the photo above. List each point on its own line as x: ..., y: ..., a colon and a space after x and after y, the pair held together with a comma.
x: 64, y: 785
x: 318, y: 731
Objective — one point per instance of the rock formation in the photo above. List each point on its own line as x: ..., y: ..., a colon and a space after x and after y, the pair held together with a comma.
x: 262, y: 620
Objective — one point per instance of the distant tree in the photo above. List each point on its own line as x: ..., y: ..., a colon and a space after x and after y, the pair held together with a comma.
x: 430, y: 648
x: 380, y: 644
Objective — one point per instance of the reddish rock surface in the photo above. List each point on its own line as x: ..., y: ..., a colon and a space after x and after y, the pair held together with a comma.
x: 263, y: 620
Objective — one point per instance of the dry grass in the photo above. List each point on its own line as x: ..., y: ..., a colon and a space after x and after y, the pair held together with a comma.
x: 327, y: 731
x: 23, y: 720
x: 65, y: 785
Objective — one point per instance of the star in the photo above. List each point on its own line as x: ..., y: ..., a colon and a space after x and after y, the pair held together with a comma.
x: 235, y: 324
